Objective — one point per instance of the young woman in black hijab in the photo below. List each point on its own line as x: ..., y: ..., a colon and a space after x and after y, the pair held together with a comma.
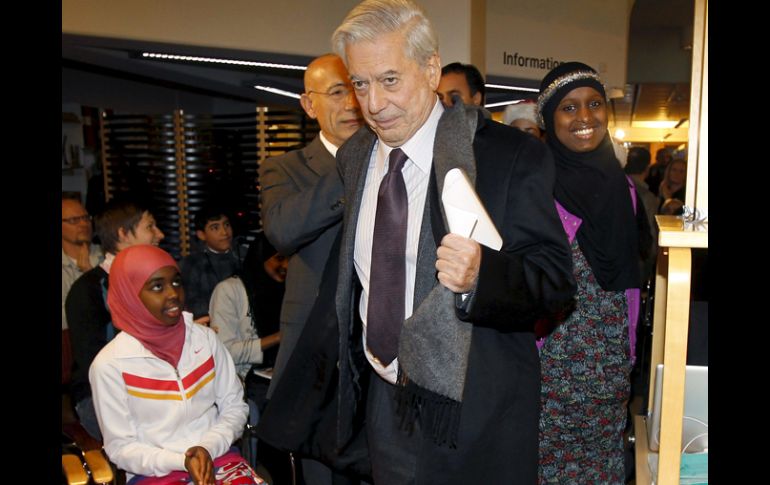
x: 587, y: 359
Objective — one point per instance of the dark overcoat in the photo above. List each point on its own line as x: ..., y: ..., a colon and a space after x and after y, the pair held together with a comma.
x: 498, y: 431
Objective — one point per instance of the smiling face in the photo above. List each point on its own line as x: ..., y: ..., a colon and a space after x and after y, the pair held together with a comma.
x: 395, y: 92
x: 145, y: 232
x: 163, y: 296
x: 580, y: 119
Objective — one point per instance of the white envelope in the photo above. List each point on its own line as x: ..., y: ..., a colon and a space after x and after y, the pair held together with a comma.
x: 465, y: 213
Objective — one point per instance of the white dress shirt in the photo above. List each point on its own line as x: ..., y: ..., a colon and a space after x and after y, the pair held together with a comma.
x: 416, y: 172
x: 331, y: 147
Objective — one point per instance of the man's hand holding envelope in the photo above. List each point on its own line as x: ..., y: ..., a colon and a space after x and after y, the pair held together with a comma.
x: 459, y: 255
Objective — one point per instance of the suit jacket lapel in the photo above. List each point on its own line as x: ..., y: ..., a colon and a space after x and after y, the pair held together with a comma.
x: 317, y: 157
x: 357, y: 159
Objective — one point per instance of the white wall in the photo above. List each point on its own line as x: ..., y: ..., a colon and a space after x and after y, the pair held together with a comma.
x: 288, y: 26
x: 591, y: 31
x: 300, y: 27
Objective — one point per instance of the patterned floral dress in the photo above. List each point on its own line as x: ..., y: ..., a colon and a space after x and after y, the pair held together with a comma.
x: 586, y: 365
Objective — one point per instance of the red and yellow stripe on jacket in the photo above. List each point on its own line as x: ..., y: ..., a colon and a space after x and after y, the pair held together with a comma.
x: 147, y: 388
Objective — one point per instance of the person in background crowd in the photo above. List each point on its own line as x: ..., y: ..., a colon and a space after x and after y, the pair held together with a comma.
x: 636, y: 168
x: 461, y: 80
x: 302, y: 204
x: 672, y: 189
x: 523, y: 116
x: 621, y: 152
x: 78, y: 255
x: 657, y: 170
x: 219, y: 259
x: 123, y: 223
x: 242, y: 312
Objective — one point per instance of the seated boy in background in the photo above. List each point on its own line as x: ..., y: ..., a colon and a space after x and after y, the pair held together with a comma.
x: 219, y: 259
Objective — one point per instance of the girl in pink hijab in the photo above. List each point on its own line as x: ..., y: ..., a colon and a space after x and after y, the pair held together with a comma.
x: 167, y: 397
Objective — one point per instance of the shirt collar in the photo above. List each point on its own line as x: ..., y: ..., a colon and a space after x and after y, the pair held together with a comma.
x: 419, y: 148
x: 330, y: 147
x: 214, y: 251
x: 107, y: 263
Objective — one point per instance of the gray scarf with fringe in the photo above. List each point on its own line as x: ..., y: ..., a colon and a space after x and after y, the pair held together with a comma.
x: 434, y: 344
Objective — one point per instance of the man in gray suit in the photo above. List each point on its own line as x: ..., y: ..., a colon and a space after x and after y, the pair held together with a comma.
x: 302, y: 201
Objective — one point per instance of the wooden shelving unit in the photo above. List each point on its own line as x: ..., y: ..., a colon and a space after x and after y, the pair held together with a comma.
x: 669, y: 344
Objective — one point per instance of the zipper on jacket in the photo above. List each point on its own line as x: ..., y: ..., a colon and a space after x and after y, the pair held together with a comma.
x: 180, y: 384
x: 185, y: 400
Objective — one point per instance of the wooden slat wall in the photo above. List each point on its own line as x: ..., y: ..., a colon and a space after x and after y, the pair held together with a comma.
x: 178, y: 162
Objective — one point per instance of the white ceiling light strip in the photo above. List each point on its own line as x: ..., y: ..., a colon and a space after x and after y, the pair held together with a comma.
x: 501, y: 103
x: 288, y: 94
x: 215, y: 60
x: 512, y: 88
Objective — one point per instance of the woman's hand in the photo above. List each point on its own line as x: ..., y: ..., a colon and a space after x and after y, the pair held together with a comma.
x: 199, y: 465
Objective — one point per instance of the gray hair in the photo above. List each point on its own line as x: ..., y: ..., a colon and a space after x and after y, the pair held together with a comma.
x: 373, y: 18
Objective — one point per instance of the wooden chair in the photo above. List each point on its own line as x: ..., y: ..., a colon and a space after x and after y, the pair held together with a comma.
x: 83, y: 461
x: 90, y: 467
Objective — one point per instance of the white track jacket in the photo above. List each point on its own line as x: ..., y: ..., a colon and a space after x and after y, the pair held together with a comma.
x: 151, y: 413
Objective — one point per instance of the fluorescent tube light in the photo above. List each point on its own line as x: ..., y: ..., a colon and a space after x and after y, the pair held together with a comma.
x: 216, y: 60
x: 512, y: 88
x: 288, y: 94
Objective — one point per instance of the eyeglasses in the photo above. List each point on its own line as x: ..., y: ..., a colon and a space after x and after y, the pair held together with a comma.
x: 336, y: 93
x: 78, y: 219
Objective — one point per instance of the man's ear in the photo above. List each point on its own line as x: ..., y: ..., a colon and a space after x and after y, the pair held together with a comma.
x: 434, y: 71
x: 201, y: 234
x: 122, y: 236
x: 307, y: 105
x: 477, y: 98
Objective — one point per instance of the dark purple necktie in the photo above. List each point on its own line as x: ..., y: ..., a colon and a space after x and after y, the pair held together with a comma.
x: 387, y: 276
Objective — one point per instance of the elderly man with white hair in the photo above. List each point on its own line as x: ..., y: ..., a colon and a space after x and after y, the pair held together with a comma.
x: 436, y: 335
